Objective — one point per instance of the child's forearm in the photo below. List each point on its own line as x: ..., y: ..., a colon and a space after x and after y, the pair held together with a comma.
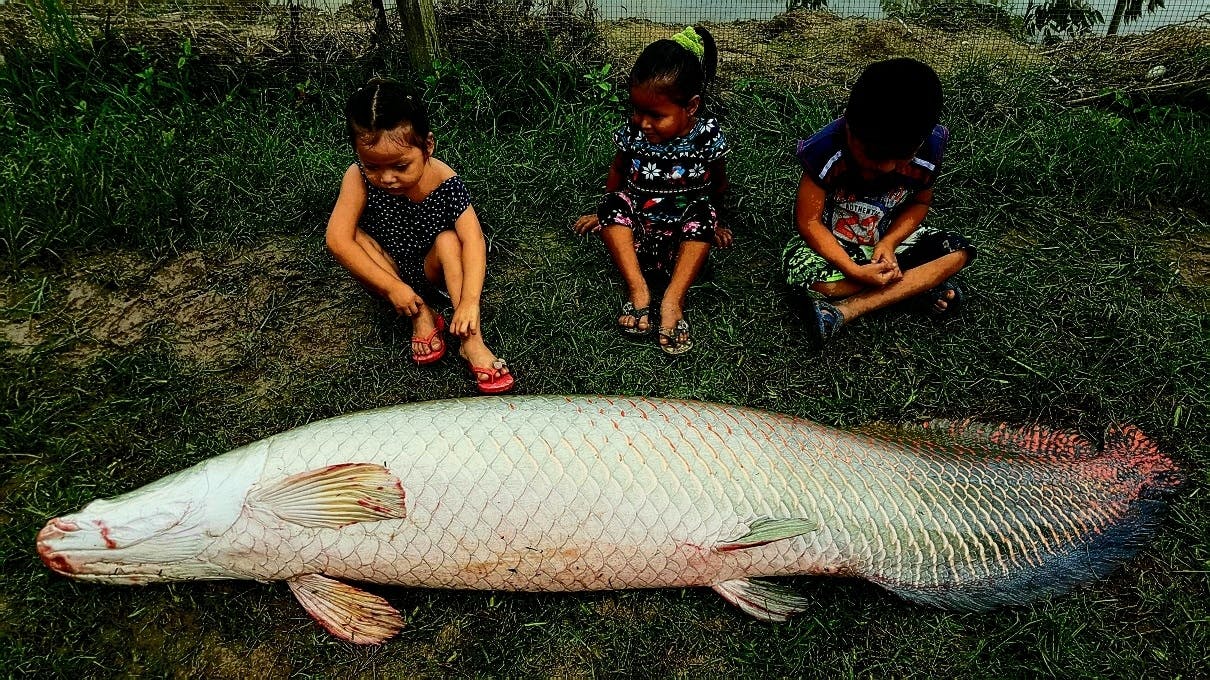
x: 908, y: 220
x: 905, y: 224
x: 822, y: 241
x: 353, y: 257
x: 808, y: 218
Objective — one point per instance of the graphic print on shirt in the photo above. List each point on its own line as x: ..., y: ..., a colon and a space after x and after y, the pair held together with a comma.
x: 860, y: 219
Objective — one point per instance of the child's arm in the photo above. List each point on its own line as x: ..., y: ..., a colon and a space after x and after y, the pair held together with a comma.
x: 808, y: 216
x: 474, y: 268
x: 720, y: 185
x: 613, y: 183
x: 906, y: 222
x: 342, y: 239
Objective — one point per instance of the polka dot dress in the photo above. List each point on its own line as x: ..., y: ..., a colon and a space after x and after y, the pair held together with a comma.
x: 407, y: 229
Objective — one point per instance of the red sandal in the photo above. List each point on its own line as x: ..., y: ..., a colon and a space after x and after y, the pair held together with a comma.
x: 489, y: 382
x: 433, y: 355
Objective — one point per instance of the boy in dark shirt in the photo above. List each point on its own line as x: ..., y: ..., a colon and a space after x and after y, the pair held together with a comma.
x: 866, y: 187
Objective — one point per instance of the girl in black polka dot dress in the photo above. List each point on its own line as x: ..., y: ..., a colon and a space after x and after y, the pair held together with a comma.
x: 404, y: 227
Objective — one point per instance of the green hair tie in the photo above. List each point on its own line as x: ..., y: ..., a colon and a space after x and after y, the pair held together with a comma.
x: 690, y: 40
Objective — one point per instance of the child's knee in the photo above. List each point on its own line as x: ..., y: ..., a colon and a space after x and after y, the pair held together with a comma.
x: 448, y: 243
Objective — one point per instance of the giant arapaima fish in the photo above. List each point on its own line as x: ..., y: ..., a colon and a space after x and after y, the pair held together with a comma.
x: 595, y: 493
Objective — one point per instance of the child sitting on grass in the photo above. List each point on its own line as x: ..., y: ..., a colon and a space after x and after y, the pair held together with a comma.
x: 404, y: 226
x: 665, y: 187
x: 866, y: 187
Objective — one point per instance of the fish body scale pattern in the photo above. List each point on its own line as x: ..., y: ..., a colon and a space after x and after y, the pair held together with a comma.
x: 586, y: 493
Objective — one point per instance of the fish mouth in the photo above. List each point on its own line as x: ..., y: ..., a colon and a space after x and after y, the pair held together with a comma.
x: 61, y: 562
x: 55, y: 530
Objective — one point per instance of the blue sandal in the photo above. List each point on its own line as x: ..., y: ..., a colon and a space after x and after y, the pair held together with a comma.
x: 827, y: 320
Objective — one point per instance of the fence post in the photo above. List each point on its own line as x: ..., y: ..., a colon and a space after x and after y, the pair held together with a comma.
x: 420, y: 31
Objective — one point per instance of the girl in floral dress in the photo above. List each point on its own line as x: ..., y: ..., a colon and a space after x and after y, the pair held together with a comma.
x: 660, y: 215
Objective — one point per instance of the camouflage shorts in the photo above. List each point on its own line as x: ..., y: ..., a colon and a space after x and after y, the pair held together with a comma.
x: 804, y: 266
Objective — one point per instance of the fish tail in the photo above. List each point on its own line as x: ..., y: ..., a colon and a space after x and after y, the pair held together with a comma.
x: 1136, y: 479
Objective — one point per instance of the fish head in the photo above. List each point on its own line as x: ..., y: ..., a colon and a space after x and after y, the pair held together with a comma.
x: 160, y: 532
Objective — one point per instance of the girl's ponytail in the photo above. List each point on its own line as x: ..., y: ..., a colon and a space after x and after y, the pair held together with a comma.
x: 709, y: 55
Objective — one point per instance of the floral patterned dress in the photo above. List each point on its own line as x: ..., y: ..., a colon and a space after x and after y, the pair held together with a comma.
x: 666, y: 199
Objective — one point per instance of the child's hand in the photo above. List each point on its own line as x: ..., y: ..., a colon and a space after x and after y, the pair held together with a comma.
x: 877, y: 274
x: 885, y: 253
x: 586, y: 224
x: 723, y: 238
x: 466, y: 320
x: 405, y: 300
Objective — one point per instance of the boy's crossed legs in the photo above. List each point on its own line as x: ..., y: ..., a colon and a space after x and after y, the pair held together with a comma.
x: 927, y: 261
x: 858, y: 300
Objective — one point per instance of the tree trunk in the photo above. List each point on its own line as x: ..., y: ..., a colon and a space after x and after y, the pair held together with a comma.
x: 1118, y: 10
x: 420, y: 31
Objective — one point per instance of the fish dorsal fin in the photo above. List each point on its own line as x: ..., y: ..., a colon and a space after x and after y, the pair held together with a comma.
x: 766, y: 530
x: 762, y: 599
x: 349, y: 613
x: 334, y: 496
x: 1028, y: 439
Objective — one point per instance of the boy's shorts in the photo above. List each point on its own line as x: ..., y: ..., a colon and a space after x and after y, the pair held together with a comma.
x: 804, y: 266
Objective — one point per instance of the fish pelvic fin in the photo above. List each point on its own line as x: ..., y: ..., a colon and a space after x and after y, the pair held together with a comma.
x: 762, y: 599
x: 334, y: 496
x: 767, y: 530
x: 349, y: 613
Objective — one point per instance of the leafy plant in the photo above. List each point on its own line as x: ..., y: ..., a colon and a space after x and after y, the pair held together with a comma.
x: 1129, y: 11
x: 1055, y: 20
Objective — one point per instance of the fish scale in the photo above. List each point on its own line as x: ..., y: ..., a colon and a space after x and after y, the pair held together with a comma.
x: 592, y: 493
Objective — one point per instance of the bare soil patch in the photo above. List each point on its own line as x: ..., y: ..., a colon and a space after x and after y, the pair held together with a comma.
x: 213, y: 309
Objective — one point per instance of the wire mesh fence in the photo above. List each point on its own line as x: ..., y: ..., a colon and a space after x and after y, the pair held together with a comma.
x: 1136, y: 44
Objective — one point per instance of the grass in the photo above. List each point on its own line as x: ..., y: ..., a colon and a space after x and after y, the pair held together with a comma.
x: 168, y: 298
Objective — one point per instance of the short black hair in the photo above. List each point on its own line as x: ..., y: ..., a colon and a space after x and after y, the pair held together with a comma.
x: 675, y: 71
x: 383, y: 105
x: 893, y: 107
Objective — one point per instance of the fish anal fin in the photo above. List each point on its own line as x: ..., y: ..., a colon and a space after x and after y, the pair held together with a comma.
x: 762, y: 599
x: 767, y: 530
x: 334, y: 496
x: 349, y: 613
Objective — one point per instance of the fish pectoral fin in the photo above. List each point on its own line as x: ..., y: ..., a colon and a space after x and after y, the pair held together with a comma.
x: 349, y: 613
x: 334, y: 496
x: 766, y: 530
x: 762, y: 599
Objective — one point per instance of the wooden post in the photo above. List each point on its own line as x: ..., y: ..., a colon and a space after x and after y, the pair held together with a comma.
x: 420, y: 31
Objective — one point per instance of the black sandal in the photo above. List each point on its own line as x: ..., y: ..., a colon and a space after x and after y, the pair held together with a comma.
x: 674, y: 346
x: 929, y: 300
x: 628, y: 309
